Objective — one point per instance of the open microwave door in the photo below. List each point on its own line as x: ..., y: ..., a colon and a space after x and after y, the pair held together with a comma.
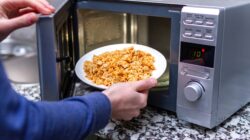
x: 57, y: 44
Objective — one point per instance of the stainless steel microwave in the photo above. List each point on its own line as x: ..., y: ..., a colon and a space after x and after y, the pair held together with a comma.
x: 206, y: 44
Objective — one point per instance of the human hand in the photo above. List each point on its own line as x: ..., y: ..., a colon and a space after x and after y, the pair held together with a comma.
x: 128, y: 98
x: 15, y: 14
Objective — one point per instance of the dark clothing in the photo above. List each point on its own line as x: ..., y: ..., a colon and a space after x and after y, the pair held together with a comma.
x: 69, y: 119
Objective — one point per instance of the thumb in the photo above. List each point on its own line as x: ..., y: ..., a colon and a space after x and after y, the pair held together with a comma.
x: 145, y: 84
x: 21, y: 21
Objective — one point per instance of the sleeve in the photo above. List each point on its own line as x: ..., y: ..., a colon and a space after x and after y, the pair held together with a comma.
x: 72, y: 118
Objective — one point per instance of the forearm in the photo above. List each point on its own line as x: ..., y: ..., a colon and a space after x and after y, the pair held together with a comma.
x: 72, y: 118
x: 75, y: 117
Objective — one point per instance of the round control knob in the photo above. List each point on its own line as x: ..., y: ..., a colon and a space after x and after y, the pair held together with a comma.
x: 193, y: 91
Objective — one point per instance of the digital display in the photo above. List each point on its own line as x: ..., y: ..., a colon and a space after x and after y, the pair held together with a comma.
x: 197, y: 54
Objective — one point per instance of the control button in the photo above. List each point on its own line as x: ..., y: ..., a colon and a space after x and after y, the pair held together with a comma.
x: 188, y: 33
x: 208, y: 36
x: 198, y: 35
x: 193, y: 91
x: 188, y: 21
x: 199, y: 22
x: 209, y: 23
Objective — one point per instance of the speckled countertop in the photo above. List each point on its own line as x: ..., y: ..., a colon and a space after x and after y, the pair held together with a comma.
x: 154, y: 124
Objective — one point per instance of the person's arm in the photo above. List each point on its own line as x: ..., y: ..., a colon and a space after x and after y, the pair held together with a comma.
x: 72, y: 118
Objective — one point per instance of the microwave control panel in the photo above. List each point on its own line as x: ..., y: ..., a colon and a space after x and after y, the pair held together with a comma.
x: 198, y: 36
x: 199, y: 25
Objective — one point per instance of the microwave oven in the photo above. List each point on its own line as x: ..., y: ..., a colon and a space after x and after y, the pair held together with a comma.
x: 206, y: 44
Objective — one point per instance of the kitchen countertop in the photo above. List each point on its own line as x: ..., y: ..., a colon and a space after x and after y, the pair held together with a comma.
x: 155, y: 123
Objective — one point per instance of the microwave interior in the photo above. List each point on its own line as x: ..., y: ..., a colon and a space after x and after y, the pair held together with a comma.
x: 100, y: 28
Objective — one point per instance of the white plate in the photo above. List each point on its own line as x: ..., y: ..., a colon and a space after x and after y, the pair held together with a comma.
x: 160, y: 61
